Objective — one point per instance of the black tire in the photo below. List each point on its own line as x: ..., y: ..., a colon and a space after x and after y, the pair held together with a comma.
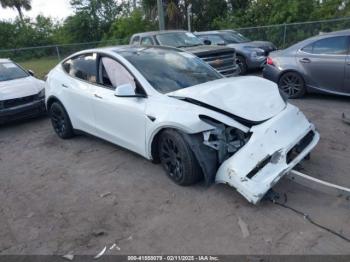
x: 242, y: 63
x: 60, y: 121
x: 292, y: 84
x: 178, y: 159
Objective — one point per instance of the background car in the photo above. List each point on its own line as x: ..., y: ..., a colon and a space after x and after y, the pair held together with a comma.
x: 171, y: 107
x: 318, y: 64
x: 250, y: 54
x: 222, y: 59
x: 21, y: 94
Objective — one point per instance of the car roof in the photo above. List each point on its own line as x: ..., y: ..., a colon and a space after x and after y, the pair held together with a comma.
x: 4, y: 60
x: 335, y: 33
x: 214, y: 32
x: 122, y: 48
x: 153, y: 33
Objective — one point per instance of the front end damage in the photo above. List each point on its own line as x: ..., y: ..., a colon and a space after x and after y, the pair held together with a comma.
x: 254, y: 162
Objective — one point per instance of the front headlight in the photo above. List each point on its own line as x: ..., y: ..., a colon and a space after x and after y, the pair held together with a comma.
x: 41, y: 94
x: 257, y: 52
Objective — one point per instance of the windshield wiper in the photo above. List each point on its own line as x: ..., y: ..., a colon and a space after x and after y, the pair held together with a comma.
x: 182, y: 46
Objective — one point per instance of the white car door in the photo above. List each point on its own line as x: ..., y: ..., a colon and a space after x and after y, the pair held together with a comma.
x: 77, y: 90
x: 120, y: 120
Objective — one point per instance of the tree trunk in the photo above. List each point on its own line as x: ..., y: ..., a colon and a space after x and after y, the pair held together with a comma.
x: 19, y: 9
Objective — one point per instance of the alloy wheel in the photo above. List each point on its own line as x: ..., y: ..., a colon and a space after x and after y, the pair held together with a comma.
x: 172, y: 159
x: 58, y: 121
x: 291, y: 84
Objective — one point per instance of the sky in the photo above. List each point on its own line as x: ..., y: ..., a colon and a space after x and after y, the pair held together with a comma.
x: 59, y: 9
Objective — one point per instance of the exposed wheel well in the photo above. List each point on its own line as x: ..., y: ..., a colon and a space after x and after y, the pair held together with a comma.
x: 290, y: 71
x: 50, y: 101
x: 154, y: 145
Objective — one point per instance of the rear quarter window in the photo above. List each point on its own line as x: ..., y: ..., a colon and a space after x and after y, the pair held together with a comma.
x: 83, y: 67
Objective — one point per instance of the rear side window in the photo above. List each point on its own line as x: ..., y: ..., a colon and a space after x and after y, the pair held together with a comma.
x: 135, y: 40
x: 214, y: 39
x: 147, y: 41
x: 329, y: 46
x: 83, y: 67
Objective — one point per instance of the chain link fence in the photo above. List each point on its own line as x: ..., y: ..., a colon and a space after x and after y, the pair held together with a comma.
x: 284, y: 35
x: 42, y: 59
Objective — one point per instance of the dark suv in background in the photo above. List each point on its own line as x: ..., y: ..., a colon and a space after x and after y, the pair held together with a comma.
x: 250, y: 54
x: 223, y: 59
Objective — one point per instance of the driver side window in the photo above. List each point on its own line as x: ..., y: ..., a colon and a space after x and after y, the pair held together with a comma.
x: 112, y: 74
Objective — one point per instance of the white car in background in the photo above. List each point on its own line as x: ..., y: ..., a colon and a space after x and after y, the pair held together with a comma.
x: 171, y: 107
x: 21, y: 94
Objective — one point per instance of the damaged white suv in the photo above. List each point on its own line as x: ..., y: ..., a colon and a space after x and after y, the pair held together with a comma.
x: 170, y: 107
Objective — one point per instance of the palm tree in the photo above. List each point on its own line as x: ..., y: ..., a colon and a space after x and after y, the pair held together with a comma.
x: 18, y: 5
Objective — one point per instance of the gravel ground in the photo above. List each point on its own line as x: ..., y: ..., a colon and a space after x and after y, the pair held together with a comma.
x: 83, y: 194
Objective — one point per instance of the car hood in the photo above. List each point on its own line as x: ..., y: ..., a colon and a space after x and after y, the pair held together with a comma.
x: 205, y: 49
x: 250, y: 98
x: 266, y: 46
x: 20, y: 88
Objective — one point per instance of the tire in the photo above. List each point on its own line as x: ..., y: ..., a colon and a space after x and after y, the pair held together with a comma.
x: 292, y: 84
x: 60, y: 121
x: 178, y: 159
x: 242, y: 63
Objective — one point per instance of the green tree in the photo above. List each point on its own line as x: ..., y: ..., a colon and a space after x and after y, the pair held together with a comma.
x: 18, y: 5
x: 124, y: 27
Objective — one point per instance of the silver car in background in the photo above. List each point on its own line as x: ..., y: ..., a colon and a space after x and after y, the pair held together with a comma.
x: 250, y: 54
x: 318, y: 64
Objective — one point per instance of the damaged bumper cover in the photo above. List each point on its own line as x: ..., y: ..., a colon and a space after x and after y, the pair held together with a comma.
x: 274, y: 148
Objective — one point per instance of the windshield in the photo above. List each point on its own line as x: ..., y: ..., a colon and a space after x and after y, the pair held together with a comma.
x: 234, y: 37
x: 10, y: 71
x: 170, y: 70
x: 179, y: 39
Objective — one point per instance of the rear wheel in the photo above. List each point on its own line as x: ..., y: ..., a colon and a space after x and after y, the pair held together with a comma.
x: 177, y: 159
x: 241, y: 62
x: 292, y: 84
x: 60, y: 121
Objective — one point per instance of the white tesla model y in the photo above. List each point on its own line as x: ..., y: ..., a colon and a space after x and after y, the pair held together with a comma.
x: 170, y: 107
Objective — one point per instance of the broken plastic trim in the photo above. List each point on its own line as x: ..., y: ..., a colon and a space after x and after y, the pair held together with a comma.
x: 259, y: 166
x: 298, y: 148
x: 207, y: 157
x: 247, y: 123
x: 226, y: 140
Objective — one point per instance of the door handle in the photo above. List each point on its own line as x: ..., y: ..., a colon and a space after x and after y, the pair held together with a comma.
x: 98, y: 96
x: 64, y: 85
x: 305, y: 60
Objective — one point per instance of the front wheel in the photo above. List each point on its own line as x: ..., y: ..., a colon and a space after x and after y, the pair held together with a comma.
x: 60, y: 121
x: 292, y: 84
x: 177, y: 159
x: 242, y: 63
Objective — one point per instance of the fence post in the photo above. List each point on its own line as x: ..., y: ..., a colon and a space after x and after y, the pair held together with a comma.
x: 284, y: 35
x: 58, y: 53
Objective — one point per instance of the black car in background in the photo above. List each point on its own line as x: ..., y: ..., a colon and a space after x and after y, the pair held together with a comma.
x: 223, y: 59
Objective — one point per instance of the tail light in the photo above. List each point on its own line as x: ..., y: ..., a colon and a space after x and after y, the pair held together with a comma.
x: 269, y: 61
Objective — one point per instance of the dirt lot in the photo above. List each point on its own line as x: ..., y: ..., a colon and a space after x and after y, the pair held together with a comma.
x: 55, y: 198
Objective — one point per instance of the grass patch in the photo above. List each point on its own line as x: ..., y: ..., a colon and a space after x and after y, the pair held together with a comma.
x: 40, y: 66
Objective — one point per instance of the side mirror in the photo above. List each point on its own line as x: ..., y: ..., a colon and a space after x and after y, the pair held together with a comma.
x: 207, y: 42
x: 31, y: 72
x: 126, y: 90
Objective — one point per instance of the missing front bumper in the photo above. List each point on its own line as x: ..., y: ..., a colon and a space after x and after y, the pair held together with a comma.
x: 274, y: 149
